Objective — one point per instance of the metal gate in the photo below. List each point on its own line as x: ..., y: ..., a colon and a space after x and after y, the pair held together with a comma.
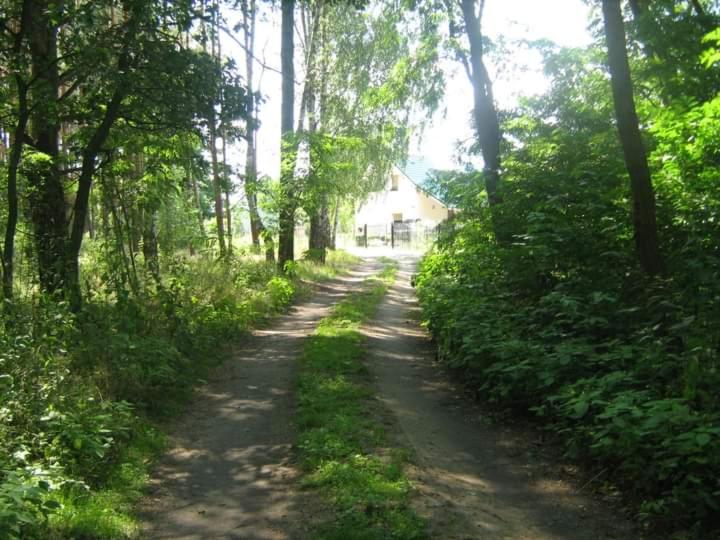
x: 414, y: 235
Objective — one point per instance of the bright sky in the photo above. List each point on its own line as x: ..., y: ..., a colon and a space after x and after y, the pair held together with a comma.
x: 562, y: 21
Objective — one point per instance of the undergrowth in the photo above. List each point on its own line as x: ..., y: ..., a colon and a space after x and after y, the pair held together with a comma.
x: 344, y: 449
x: 81, y: 394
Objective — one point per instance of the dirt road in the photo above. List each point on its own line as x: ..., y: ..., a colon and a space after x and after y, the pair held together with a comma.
x: 229, y: 472
x: 474, y: 480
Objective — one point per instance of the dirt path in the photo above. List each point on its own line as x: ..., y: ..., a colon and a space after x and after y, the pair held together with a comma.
x: 229, y: 472
x: 474, y: 480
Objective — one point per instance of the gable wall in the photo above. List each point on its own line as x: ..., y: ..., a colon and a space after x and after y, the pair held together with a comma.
x: 409, y: 200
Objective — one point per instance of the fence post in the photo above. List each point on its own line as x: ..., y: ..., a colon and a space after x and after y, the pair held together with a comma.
x: 392, y: 235
x: 365, y: 235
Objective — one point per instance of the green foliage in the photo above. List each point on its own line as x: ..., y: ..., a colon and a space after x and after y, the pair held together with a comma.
x: 560, y: 322
x: 57, y: 432
x: 75, y: 388
x: 24, y: 502
x: 340, y: 444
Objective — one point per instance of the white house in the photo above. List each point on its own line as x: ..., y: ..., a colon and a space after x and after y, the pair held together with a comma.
x: 402, y: 200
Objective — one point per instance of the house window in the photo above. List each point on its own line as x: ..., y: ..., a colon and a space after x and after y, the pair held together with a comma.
x: 394, y: 183
x: 397, y: 218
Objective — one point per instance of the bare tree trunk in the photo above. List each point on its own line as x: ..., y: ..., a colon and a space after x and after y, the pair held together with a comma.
x: 286, y: 236
x: 90, y: 221
x: 119, y: 241
x: 256, y: 225
x: 319, y: 232
x: 644, y: 221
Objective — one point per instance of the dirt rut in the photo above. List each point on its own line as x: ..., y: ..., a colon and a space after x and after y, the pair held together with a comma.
x: 229, y: 472
x: 474, y: 480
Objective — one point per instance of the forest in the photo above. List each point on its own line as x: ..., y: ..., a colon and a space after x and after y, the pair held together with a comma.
x: 576, y: 285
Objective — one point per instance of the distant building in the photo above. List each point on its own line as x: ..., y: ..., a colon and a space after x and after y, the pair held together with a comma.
x: 402, y: 200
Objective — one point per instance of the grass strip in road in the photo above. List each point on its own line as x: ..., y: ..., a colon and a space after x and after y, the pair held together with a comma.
x: 344, y: 450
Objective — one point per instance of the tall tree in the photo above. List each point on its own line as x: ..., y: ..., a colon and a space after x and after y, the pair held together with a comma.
x: 213, y: 128
x: 286, y: 236
x: 487, y: 125
x: 42, y: 169
x: 312, y: 21
x: 257, y: 228
x: 16, y: 144
x: 643, y: 195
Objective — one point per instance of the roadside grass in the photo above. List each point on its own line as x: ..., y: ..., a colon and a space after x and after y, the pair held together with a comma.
x: 78, y: 467
x: 108, y: 513
x: 306, y: 272
x: 337, y: 262
x: 343, y: 448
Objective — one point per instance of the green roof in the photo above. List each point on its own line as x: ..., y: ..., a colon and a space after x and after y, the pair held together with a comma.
x: 416, y: 168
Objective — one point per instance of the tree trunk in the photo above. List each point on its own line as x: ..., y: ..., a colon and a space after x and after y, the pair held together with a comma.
x: 213, y: 128
x: 226, y: 186
x: 131, y: 240
x: 486, y: 119
x: 71, y: 250
x: 643, y: 195
x: 16, y: 148
x: 319, y: 239
x: 87, y: 171
x: 256, y: 225
x: 47, y: 193
x: 286, y: 236
x: 217, y: 188
x: 192, y: 178
x: 332, y: 241
x: 150, y: 244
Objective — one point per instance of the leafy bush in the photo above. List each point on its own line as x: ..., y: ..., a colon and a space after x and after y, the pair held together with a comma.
x: 24, y: 502
x: 74, y: 388
x: 560, y: 321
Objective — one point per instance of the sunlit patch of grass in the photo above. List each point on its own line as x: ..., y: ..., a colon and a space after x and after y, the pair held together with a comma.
x: 337, y: 262
x: 342, y: 441
x: 107, y: 513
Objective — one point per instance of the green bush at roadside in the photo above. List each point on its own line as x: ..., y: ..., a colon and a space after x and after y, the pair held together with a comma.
x: 81, y: 394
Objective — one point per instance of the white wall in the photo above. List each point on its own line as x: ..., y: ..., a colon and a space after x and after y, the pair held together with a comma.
x: 409, y: 200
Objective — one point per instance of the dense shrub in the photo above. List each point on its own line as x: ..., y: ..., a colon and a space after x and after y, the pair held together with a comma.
x: 562, y: 323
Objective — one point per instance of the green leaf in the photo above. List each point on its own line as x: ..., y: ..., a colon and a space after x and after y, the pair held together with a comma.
x: 580, y: 409
x: 702, y: 439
